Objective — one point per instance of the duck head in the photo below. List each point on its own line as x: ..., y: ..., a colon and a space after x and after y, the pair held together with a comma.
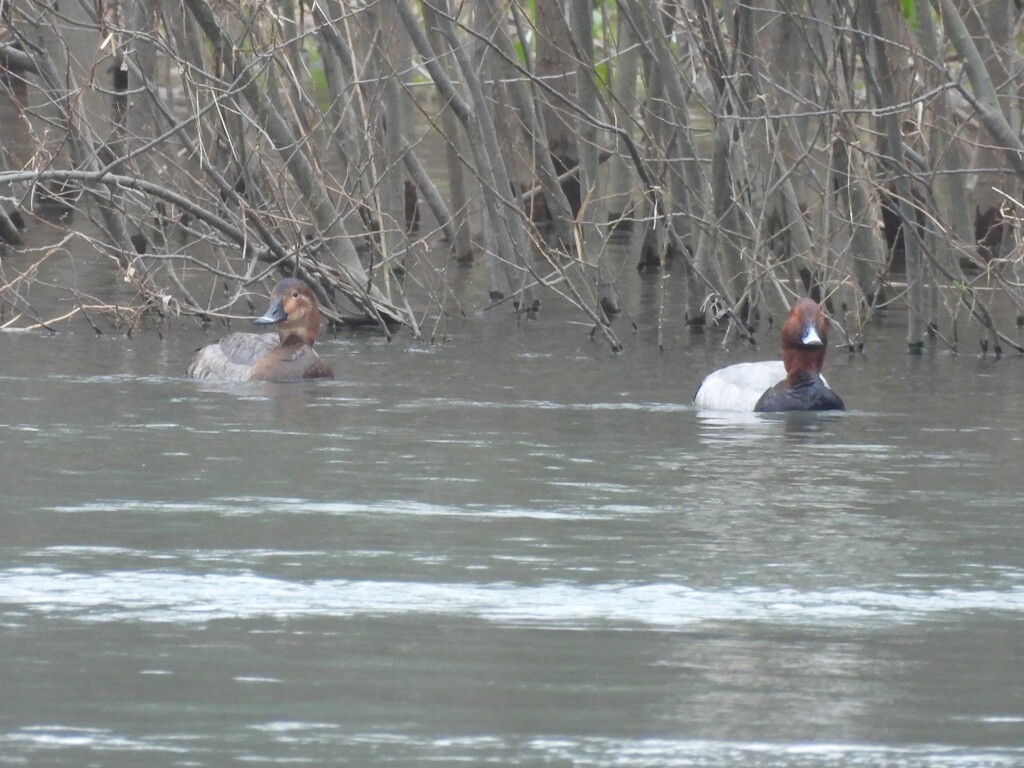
x: 294, y: 310
x: 804, y: 339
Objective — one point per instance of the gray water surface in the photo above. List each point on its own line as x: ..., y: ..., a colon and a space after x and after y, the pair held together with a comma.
x: 510, y: 549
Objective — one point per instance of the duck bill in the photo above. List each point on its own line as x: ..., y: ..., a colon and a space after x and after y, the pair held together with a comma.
x: 811, y: 338
x: 275, y: 314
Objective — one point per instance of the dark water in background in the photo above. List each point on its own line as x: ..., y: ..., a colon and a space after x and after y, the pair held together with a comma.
x: 510, y: 549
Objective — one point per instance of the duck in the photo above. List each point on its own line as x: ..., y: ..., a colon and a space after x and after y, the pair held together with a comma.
x: 794, y: 383
x: 261, y: 357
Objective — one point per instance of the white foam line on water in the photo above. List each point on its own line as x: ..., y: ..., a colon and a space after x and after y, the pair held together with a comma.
x: 57, y: 737
x: 585, y: 752
x: 666, y: 753
x: 541, y: 405
x: 243, y: 506
x: 168, y: 596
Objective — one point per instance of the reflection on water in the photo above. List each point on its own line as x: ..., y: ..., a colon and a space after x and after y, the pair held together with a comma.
x: 752, y: 427
x: 504, y: 551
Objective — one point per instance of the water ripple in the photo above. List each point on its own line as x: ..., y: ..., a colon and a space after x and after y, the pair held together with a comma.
x: 161, y: 596
x: 435, y: 403
x: 585, y: 752
x: 250, y: 506
x: 56, y: 738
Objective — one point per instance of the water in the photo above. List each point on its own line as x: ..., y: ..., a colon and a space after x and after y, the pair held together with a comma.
x: 510, y: 549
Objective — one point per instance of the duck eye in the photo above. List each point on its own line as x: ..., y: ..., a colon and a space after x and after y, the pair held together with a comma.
x: 295, y: 294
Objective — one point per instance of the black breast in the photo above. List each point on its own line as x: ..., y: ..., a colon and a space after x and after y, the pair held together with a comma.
x: 810, y: 395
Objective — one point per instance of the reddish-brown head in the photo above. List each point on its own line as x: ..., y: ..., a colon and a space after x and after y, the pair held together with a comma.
x: 804, y: 339
x: 294, y: 310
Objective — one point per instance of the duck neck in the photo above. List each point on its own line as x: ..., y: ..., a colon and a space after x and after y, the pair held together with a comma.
x: 798, y: 379
x: 802, y: 364
x: 294, y: 338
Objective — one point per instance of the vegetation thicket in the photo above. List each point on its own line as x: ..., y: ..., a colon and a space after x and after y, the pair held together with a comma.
x: 861, y: 152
